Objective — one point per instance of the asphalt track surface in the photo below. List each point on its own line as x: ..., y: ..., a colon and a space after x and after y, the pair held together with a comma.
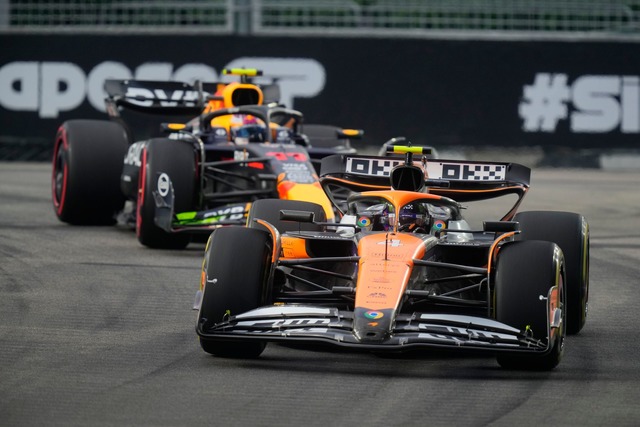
x: 96, y: 330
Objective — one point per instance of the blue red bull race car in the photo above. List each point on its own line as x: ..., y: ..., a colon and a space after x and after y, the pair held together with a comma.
x: 238, y: 145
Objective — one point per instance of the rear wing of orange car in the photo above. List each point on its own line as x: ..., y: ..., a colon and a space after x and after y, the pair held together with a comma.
x: 461, y: 180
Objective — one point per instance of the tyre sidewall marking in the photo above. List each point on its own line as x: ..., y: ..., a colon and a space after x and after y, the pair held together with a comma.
x: 163, y: 184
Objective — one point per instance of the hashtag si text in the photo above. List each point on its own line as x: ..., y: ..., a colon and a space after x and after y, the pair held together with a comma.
x: 591, y: 103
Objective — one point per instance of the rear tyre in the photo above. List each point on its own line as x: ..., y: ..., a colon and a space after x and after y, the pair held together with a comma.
x: 177, y: 160
x: 570, y: 231
x: 237, y: 266
x: 524, y: 272
x: 269, y: 210
x: 88, y: 158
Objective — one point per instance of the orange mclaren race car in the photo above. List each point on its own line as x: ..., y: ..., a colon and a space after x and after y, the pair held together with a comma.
x: 402, y: 270
x: 237, y: 146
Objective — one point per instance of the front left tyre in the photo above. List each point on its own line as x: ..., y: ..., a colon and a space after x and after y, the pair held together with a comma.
x: 237, y: 269
x: 177, y: 160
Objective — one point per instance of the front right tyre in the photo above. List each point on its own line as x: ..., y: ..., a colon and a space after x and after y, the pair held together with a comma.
x: 525, y: 273
x: 570, y: 231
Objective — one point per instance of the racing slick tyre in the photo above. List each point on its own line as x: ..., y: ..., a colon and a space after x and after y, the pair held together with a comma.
x: 237, y: 267
x: 177, y: 160
x: 269, y: 210
x: 525, y: 272
x: 87, y: 162
x: 570, y: 231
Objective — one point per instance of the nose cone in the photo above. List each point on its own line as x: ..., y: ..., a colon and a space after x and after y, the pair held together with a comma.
x: 372, y: 326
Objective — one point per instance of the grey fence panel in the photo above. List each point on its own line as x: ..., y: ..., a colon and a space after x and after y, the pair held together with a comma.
x: 460, y: 15
x: 119, y: 15
x: 408, y: 18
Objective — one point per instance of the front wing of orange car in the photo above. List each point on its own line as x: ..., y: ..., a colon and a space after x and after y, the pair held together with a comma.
x: 333, y: 326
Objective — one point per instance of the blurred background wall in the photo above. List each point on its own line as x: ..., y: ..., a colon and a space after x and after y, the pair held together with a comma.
x: 556, y: 79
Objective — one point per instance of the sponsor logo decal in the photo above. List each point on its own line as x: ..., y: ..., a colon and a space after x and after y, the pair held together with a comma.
x: 377, y: 295
x: 467, y: 171
x: 240, y: 155
x: 146, y: 97
x: 459, y: 334
x: 163, y: 184
x: 394, y: 243
x: 298, y: 173
x: 230, y: 213
x: 438, y: 170
x: 374, y: 315
x: 134, y: 154
x: 439, y: 225
x: 283, y: 157
x: 363, y: 222
x: 284, y: 323
x: 371, y: 167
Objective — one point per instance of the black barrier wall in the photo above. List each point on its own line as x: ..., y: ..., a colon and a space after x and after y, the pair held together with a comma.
x: 438, y: 92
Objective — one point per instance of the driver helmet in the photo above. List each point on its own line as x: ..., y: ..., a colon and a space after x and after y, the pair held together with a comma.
x: 411, y: 217
x: 375, y: 218
x: 249, y: 133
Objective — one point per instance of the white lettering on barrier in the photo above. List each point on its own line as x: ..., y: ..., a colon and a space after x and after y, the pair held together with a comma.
x: 600, y: 103
x: 51, y: 88
x: 19, y: 86
x: 97, y: 76
x: 297, y: 77
x: 63, y: 88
